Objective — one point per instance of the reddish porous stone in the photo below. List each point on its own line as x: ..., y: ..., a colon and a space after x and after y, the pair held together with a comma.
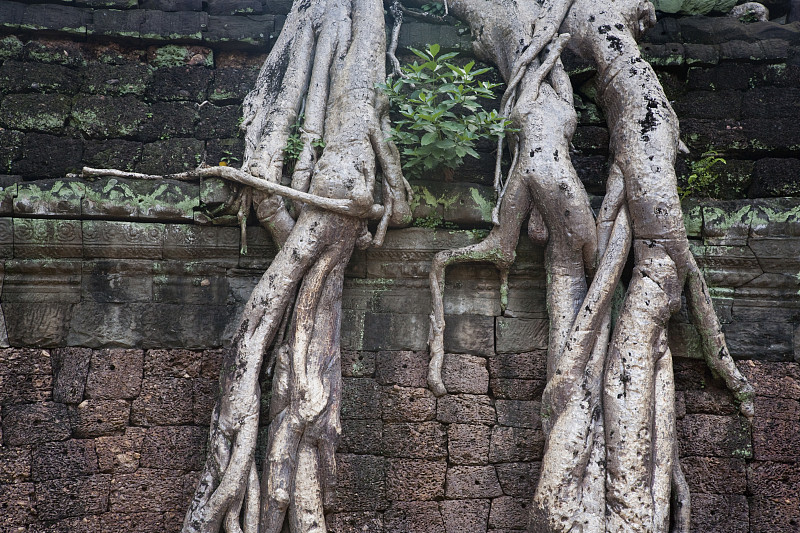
x: 362, y: 436
x: 120, y: 454
x: 709, y: 401
x: 62, y: 498
x: 415, y: 479
x: 404, y: 404
x: 508, y: 512
x: 15, y: 464
x: 115, y: 374
x: 420, y: 440
x: 713, y: 475
x: 472, y: 482
x: 360, y: 483
x: 16, y: 506
x: 96, y: 418
x: 465, y: 374
x: 360, y: 398
x: 163, y: 402
x: 68, y: 459
x: 138, y: 522
x: 172, y: 363
x: 527, y: 365
x: 518, y: 413
x: 35, y: 423
x: 466, y: 409
x: 714, y: 436
x: 205, y: 392
x: 146, y: 491
x: 781, y: 380
x: 776, y: 439
x: 518, y: 479
x: 174, y: 448
x: 413, y: 517
x: 509, y: 445
x: 468, y: 444
x: 365, y: 522
x: 725, y: 513
x: 465, y: 515
x: 516, y: 389
x: 775, y: 514
x: 404, y: 368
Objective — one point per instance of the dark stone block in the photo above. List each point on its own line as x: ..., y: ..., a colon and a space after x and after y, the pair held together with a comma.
x: 358, y: 364
x: 62, y: 498
x: 35, y: 423
x: 146, y: 491
x: 727, y: 76
x: 508, y: 512
x: 771, y: 513
x: 710, y: 401
x: 518, y: 479
x: 172, y: 363
x: 68, y: 459
x: 235, y: 7
x: 405, y: 404
x: 128, y: 78
x: 518, y: 413
x: 509, y: 445
x: 205, y: 393
x: 167, y: 120
x: 472, y: 482
x: 413, y: 517
x: 115, y: 374
x: 17, y: 506
x: 179, y: 83
x: 70, y: 370
x: 592, y: 171
x: 420, y: 440
x: 361, y: 436
x: 415, y: 479
x: 173, y: 5
x: 590, y: 140
x: 171, y: 156
x: 775, y: 380
x: 255, y: 31
x: 517, y: 335
x: 22, y: 388
x: 61, y: 19
x: 775, y: 439
x: 163, y: 401
x: 394, y: 331
x: 516, y: 389
x: 112, y: 153
x: 19, y: 77
x: 526, y: 365
x: 778, y: 408
x: 10, y: 148
x: 44, y: 113
x: 365, y: 522
x: 360, y: 398
x: 231, y: 85
x: 468, y: 444
x: 174, y: 448
x: 712, y: 475
x: 465, y: 374
x: 761, y: 103
x: 404, y: 368
x: 102, y: 117
x: 139, y: 522
x: 360, y: 483
x: 466, y: 409
x: 121, y: 453
x: 95, y: 418
x: 719, y: 104
x: 775, y: 177
x: 218, y: 122
x: 37, y: 324
x: 465, y: 515
x: 173, y: 26
x: 714, y: 436
x: 15, y: 465
x: 117, y: 23
x: 727, y: 513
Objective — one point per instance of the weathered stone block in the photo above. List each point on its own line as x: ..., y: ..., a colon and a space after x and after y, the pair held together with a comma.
x: 205, y: 392
x: 47, y: 239
x: 472, y: 482
x: 121, y: 453
x: 528, y: 365
x: 164, y: 200
x: 59, y: 197
x: 205, y: 286
x: 163, y: 401
x: 404, y: 368
x: 518, y: 479
x: 473, y: 334
x: 115, y: 374
x: 361, y: 436
x: 465, y: 515
x: 68, y: 459
x: 103, y: 117
x: 10, y: 149
x: 360, y: 398
x: 20, y: 388
x: 41, y: 280
x: 15, y: 465
x: 174, y: 448
x: 468, y: 444
x: 35, y: 423
x: 360, y: 483
x: 168, y: 120
x: 44, y: 113
x: 231, y: 85
x: 218, y: 245
x: 465, y: 374
x: 166, y: 26
x: 510, y: 445
x: 413, y: 517
x: 772, y: 514
x: 712, y: 475
x: 709, y: 401
x: 139, y: 522
x: 714, y: 436
x: 775, y: 439
x: 365, y: 522
x: 515, y: 335
x: 781, y: 380
x: 516, y: 389
x: 253, y: 30
x: 37, y: 324
x: 405, y: 404
x: 94, y: 418
x: 171, y: 156
x: 392, y: 331
x: 421, y: 440
x: 466, y: 409
x: 25, y: 361
x: 179, y: 83
x: 415, y: 479
x: 172, y: 363
x: 17, y: 504
x: 359, y: 364
x: 117, y: 280
x: 129, y: 78
x: 508, y: 512
x: 107, y: 239
x: 146, y: 491
x: 719, y: 512
x: 48, y: 156
x: 518, y: 413
x: 70, y: 370
x: 99, y: 325
x: 62, y: 498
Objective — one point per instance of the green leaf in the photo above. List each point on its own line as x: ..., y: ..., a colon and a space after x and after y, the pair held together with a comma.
x: 433, y: 49
x: 428, y: 138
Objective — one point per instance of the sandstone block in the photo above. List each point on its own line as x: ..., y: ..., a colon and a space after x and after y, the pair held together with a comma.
x: 511, y: 444
x: 415, y: 479
x: 67, y: 459
x: 471, y: 334
x: 472, y: 482
x: 526, y: 365
x: 163, y: 401
x: 515, y: 335
x: 516, y: 389
x: 413, y: 517
x: 95, y: 418
x: 468, y: 444
x: 466, y: 409
x: 35, y: 423
x: 465, y: 515
x: 419, y: 440
x: 62, y: 498
x: 115, y: 374
x: 406, y: 404
x: 465, y: 374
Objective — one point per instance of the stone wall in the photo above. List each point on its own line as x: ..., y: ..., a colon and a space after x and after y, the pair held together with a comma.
x: 117, y: 295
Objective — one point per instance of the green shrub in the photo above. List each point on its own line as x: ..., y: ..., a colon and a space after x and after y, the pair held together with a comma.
x: 701, y: 177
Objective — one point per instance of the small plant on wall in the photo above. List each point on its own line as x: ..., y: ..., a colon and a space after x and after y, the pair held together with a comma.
x: 442, y: 116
